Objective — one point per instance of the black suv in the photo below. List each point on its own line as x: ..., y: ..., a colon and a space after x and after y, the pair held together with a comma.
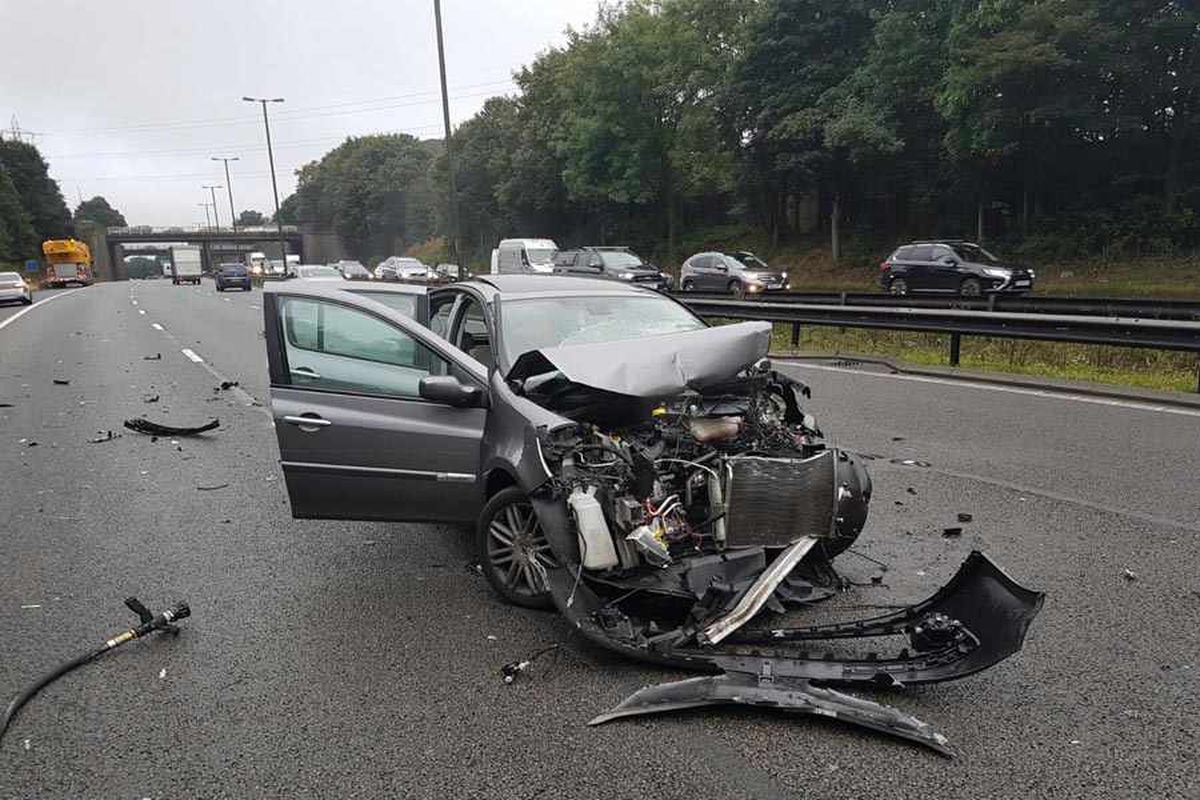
x: 615, y: 263
x: 952, y: 266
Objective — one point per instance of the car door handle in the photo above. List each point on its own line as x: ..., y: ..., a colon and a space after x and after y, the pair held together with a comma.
x: 305, y: 372
x: 316, y: 422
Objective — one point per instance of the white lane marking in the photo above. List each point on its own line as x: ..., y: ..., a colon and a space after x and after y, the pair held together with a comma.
x: 190, y: 353
x: 254, y: 307
x: 133, y: 301
x: 156, y: 326
x: 1046, y: 393
x: 6, y: 322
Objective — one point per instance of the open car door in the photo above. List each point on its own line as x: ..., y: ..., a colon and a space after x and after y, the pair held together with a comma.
x: 356, y: 438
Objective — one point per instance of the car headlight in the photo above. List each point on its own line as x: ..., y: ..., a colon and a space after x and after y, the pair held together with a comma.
x: 783, y: 276
x: 626, y: 276
x: 1002, y: 274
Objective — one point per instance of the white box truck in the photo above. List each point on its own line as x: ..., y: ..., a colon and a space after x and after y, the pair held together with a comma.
x: 185, y: 264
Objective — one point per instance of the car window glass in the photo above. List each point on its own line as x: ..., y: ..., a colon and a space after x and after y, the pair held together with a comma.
x: 922, y: 252
x: 472, y: 334
x: 406, y: 304
x: 330, y: 346
x: 439, y: 317
x: 904, y: 253
x: 941, y: 251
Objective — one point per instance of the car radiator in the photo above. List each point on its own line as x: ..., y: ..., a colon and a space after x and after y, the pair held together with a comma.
x: 774, y: 501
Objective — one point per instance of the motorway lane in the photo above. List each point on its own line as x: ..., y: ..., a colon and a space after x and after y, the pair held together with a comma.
x: 9, y: 309
x: 339, y: 658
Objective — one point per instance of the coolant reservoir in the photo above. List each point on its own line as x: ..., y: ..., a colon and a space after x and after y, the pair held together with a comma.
x: 595, y: 542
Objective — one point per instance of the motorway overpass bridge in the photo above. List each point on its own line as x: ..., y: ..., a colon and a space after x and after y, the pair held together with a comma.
x: 216, y: 244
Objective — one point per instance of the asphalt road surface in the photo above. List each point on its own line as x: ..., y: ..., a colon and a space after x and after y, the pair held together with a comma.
x: 332, y: 659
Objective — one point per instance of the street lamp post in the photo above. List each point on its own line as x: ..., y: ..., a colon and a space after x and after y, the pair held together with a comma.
x: 453, y: 209
x: 229, y: 186
x: 207, y: 219
x: 212, y: 188
x: 271, y: 159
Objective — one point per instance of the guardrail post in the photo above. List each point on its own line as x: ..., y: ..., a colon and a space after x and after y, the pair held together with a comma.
x: 992, y: 301
x: 955, y: 346
x: 795, y: 335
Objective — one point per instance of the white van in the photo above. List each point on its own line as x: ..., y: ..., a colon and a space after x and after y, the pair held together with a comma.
x: 524, y: 255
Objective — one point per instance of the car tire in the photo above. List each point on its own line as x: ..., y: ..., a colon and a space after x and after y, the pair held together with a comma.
x: 736, y: 289
x: 687, y: 285
x: 27, y: 300
x: 970, y: 287
x: 898, y: 287
x: 503, y: 565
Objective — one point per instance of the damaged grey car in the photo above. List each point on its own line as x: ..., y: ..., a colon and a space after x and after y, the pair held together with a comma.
x: 651, y: 477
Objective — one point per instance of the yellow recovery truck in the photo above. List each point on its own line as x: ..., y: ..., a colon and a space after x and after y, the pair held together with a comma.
x: 67, y: 261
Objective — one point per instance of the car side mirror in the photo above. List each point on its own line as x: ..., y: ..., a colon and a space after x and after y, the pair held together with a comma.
x: 451, y: 391
x: 951, y: 260
x: 722, y: 268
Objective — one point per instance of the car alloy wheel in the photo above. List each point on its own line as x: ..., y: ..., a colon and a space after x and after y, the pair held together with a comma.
x: 688, y: 285
x: 898, y: 287
x: 971, y: 287
x: 513, y: 550
x: 737, y: 289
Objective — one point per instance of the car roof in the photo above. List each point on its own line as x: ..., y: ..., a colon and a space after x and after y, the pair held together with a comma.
x: 273, y: 287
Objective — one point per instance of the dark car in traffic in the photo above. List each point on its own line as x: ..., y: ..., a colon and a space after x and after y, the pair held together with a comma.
x: 739, y: 273
x: 612, y: 263
x: 951, y: 266
x: 232, y: 276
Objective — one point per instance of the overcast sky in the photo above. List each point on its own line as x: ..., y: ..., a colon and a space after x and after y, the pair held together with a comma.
x: 130, y: 98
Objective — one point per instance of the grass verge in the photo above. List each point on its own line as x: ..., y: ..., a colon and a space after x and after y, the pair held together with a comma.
x: 1122, y: 366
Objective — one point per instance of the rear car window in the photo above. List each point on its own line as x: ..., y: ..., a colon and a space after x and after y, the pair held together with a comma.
x: 233, y: 269
x: 406, y: 304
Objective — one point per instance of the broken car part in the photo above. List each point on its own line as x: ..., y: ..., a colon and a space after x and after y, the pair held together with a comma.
x: 163, y: 621
x: 143, y: 425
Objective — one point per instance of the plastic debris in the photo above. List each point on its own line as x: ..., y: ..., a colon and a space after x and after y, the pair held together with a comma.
x: 1129, y: 574
x: 952, y: 533
x: 151, y: 398
x: 226, y: 385
x: 212, y: 488
x: 61, y: 382
x: 103, y: 436
x: 155, y: 357
x: 29, y: 606
x: 964, y: 517
x: 143, y: 425
x: 162, y: 673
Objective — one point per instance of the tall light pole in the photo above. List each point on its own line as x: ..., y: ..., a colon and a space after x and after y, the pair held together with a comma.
x: 453, y: 198
x: 212, y: 188
x: 271, y: 159
x: 207, y: 219
x: 229, y: 186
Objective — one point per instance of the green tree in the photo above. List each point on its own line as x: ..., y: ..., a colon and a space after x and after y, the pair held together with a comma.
x: 18, y: 239
x: 142, y: 267
x: 39, y: 193
x: 98, y: 212
x: 373, y: 191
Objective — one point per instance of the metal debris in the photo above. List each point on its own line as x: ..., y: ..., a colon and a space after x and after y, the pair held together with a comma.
x: 952, y: 533
x: 512, y: 669
x: 1129, y: 575
x: 143, y: 425
x: 213, y: 488
x: 103, y: 436
x: 226, y: 385
x: 155, y: 357
x: 964, y: 517
x: 61, y: 382
x: 151, y: 398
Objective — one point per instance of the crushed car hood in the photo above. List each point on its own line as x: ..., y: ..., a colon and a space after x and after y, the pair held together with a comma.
x: 658, y: 366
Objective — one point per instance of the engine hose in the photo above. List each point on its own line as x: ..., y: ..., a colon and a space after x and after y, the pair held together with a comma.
x: 150, y: 622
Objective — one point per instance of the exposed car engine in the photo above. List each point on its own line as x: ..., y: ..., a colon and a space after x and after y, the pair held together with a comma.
x: 739, y: 465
